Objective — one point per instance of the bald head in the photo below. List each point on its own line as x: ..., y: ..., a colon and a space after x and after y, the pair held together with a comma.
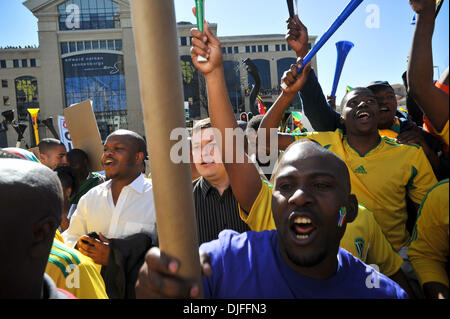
x: 30, y: 211
x: 29, y: 189
x: 307, y: 149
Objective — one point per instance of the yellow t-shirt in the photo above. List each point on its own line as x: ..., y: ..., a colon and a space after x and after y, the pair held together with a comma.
x: 382, y: 178
x: 393, y: 131
x: 363, y: 237
x: 444, y: 134
x: 428, y: 250
x: 74, y: 272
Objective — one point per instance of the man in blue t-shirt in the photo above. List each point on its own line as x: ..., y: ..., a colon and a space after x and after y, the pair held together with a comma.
x: 311, y: 204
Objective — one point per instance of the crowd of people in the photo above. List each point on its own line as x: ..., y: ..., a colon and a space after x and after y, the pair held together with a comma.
x: 358, y: 208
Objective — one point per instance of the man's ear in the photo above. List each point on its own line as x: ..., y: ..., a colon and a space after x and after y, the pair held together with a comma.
x: 42, y: 158
x: 139, y: 157
x: 43, y: 233
x: 342, y: 120
x: 352, y: 208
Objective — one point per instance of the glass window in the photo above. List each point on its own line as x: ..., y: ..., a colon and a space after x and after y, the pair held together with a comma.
x: 26, y: 95
x: 230, y: 50
x: 64, y: 48
x: 4, y: 83
x: 80, y: 46
x: 110, y: 44
x: 224, y: 50
x: 16, y: 63
x: 87, y: 45
x: 283, y: 47
x: 260, y: 48
x: 33, y: 63
x: 183, y: 41
x: 253, y: 48
x: 72, y: 47
x: 247, y: 49
x: 309, y: 45
x: 99, y: 77
x: 264, y: 73
x: 88, y: 14
x: 119, y: 45
x: 95, y: 45
x: 266, y: 48
x: 102, y: 44
x: 24, y: 63
x: 3, y: 64
x: 236, y: 49
x: 277, y: 47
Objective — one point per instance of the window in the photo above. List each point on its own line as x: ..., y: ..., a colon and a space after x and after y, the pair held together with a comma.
x: 247, y: 49
x: 277, y: 47
x: 87, y: 45
x: 33, y: 63
x: 24, y: 63
x: 230, y: 50
x: 183, y: 41
x: 16, y: 63
x: 110, y: 44
x: 283, y: 47
x: 102, y: 44
x: 3, y: 64
x: 26, y: 95
x: 64, y: 48
x: 88, y: 15
x: 224, y: 50
x: 260, y: 48
x: 80, y: 46
x: 236, y: 49
x: 309, y: 45
x: 4, y: 83
x: 118, y: 45
x: 95, y: 45
x: 72, y: 46
x: 6, y: 101
x: 266, y: 48
x: 253, y: 48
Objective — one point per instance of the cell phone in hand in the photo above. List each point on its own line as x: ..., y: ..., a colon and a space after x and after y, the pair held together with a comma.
x: 92, y: 235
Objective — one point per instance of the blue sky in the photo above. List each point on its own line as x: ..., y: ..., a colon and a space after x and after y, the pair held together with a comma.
x: 379, y: 53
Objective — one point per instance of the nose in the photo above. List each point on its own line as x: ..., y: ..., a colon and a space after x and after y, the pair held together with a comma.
x: 300, y: 198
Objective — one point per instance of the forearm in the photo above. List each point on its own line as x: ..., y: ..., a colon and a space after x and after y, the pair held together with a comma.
x: 316, y: 108
x: 420, y: 68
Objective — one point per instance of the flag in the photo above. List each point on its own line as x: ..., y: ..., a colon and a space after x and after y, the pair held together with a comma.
x: 261, y: 107
x: 297, y: 120
x: 349, y: 88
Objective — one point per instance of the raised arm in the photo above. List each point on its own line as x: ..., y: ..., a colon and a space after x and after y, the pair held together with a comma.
x: 319, y: 113
x: 432, y: 101
x: 292, y: 82
x: 244, y: 177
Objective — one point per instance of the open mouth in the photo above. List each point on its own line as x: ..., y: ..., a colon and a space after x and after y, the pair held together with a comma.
x: 108, y: 162
x: 384, y: 109
x: 363, y: 115
x: 303, y: 229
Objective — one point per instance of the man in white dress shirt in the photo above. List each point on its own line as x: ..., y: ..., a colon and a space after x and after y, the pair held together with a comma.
x: 118, y: 208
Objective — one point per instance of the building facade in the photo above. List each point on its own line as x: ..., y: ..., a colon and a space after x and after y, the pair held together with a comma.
x: 87, y: 51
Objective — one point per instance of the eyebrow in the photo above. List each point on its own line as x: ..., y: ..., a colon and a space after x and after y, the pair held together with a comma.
x: 289, y: 175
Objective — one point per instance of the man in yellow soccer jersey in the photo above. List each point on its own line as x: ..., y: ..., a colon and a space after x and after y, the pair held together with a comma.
x: 428, y: 250
x: 383, y: 173
x: 363, y: 237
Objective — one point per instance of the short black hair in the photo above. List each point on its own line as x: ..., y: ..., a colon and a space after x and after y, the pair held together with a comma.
x: 48, y: 143
x: 363, y: 89
x: 77, y: 154
x: 138, y: 140
x: 67, y: 177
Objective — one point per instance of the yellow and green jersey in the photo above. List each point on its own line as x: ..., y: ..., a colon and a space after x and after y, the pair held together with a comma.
x: 428, y: 249
x: 382, y: 178
x: 363, y: 237
x: 74, y: 272
x: 393, y: 131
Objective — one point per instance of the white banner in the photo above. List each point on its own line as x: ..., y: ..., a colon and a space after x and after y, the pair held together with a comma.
x: 64, y: 133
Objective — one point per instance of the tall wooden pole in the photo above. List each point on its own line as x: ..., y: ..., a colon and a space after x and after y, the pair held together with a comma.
x: 161, y: 87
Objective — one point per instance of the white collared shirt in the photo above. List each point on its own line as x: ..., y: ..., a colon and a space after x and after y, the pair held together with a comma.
x: 133, y: 213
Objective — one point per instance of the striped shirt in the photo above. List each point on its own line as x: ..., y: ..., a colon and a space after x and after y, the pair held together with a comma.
x: 215, y: 213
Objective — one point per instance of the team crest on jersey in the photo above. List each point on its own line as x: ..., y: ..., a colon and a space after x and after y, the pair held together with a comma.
x: 360, y: 170
x: 359, y: 244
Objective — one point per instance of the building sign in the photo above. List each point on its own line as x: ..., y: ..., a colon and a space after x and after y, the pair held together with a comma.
x: 99, y: 77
